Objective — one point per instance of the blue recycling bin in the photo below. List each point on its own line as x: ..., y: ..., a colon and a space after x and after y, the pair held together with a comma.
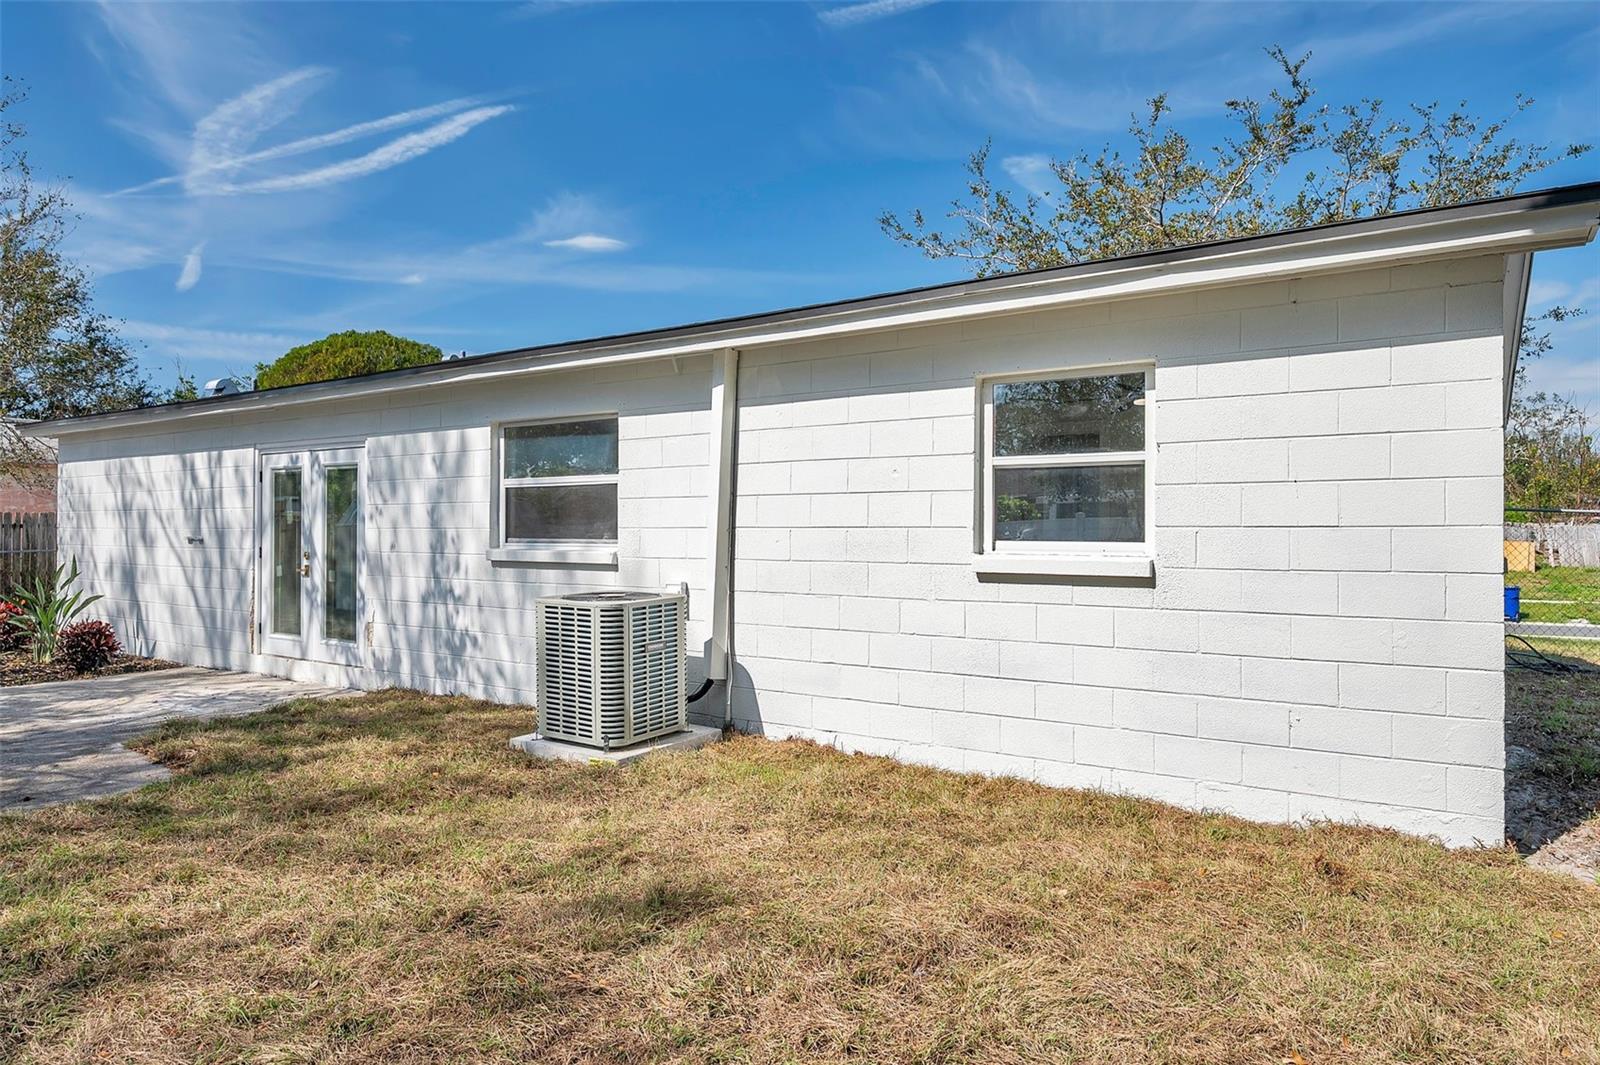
x: 1513, y: 603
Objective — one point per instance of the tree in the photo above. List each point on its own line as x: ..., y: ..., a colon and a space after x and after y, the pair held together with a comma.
x: 347, y: 354
x: 59, y: 357
x: 1552, y: 453
x: 1289, y: 163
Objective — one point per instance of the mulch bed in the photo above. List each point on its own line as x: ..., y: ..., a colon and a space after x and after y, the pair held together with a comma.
x: 16, y: 667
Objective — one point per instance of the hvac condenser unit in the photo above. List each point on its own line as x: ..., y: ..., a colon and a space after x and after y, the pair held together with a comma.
x: 611, y: 667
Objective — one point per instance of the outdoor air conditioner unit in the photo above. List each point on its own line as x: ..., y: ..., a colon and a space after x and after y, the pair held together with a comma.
x: 611, y: 667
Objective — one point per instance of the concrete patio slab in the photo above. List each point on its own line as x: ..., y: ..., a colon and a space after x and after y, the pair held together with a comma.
x: 537, y: 746
x: 62, y: 742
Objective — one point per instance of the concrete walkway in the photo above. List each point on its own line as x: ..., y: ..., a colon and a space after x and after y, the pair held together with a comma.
x: 62, y: 742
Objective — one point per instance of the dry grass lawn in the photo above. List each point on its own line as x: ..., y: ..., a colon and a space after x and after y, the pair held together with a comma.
x: 379, y: 880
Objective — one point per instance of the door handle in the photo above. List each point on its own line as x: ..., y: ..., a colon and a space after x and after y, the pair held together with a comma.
x: 305, y: 569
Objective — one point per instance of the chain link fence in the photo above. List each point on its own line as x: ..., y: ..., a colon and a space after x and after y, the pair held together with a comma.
x: 1552, y: 608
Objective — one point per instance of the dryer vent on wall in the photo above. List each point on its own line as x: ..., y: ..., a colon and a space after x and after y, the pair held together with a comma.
x: 611, y: 667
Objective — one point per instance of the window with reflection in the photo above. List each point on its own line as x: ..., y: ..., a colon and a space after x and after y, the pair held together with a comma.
x: 558, y: 482
x: 1067, y: 459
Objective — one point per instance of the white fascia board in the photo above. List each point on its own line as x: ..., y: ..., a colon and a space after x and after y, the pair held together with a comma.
x: 1426, y: 238
x: 1519, y: 270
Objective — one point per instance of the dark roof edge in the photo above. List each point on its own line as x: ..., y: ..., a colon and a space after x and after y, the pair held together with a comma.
x: 1540, y: 199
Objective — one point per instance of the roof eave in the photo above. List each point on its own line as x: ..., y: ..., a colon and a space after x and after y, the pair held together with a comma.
x: 1515, y: 225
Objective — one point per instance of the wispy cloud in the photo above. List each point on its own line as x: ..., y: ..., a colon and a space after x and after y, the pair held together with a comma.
x: 870, y: 11
x: 189, y: 276
x: 177, y: 54
x: 998, y: 79
x: 189, y: 342
x: 230, y: 129
x: 195, y: 176
x: 1386, y: 35
x: 1582, y: 294
x: 1032, y: 172
x: 397, y: 151
x: 220, y: 146
x: 181, y: 66
x: 588, y: 242
x: 540, y: 8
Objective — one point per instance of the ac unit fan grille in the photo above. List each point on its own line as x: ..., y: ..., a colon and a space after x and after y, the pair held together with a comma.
x: 656, y: 667
x: 611, y: 668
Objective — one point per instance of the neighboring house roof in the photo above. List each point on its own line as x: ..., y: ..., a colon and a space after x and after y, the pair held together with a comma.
x: 44, y: 446
x: 1515, y: 225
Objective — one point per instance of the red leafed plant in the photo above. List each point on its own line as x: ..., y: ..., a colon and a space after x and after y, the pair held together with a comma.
x: 12, y: 638
x: 88, y: 645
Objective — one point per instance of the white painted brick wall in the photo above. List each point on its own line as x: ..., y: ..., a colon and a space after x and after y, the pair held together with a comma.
x: 444, y: 619
x: 1321, y: 636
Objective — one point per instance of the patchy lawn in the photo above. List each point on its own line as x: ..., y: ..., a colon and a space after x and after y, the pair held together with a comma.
x: 378, y: 879
x: 18, y: 667
x: 1553, y: 768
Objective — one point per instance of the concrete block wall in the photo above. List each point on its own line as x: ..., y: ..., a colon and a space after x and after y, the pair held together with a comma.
x: 444, y: 618
x: 1321, y: 638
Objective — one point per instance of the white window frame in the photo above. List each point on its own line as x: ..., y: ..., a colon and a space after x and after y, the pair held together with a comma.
x: 1062, y: 557
x: 579, y: 552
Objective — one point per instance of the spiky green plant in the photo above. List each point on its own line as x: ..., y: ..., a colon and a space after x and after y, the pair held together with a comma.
x: 48, y: 605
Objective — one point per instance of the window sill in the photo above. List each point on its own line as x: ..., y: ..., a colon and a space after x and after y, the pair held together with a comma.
x: 555, y: 556
x: 1108, y: 564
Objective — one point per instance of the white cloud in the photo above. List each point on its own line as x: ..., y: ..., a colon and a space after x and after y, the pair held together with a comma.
x: 1541, y: 293
x: 181, y: 53
x: 1001, y: 81
x: 190, y: 56
x: 540, y: 8
x: 870, y: 11
x: 1386, y: 35
x: 563, y: 214
x: 1032, y: 172
x: 189, y: 276
x: 189, y: 342
x: 231, y: 128
x: 196, y: 175
x: 397, y: 151
x: 588, y: 242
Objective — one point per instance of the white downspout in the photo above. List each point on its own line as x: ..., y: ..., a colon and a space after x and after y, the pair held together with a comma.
x: 724, y: 431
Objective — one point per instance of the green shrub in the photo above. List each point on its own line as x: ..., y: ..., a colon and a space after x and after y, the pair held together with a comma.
x: 88, y: 645
x: 47, y: 606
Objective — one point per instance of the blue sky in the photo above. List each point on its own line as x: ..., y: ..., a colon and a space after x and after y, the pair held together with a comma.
x: 484, y: 176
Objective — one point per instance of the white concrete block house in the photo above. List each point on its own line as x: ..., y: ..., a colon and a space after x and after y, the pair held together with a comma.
x: 1218, y: 525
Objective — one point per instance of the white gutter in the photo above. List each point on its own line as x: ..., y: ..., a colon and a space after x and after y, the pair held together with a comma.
x: 1402, y: 239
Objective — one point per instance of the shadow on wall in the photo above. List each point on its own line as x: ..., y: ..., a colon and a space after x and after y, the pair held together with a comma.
x: 170, y: 548
x: 443, y: 617
x: 437, y: 609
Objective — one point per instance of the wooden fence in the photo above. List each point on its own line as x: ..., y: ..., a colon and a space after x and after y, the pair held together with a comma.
x: 27, y: 548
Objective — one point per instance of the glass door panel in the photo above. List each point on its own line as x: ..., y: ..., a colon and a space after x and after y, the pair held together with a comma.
x: 288, y: 552
x: 340, y: 543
